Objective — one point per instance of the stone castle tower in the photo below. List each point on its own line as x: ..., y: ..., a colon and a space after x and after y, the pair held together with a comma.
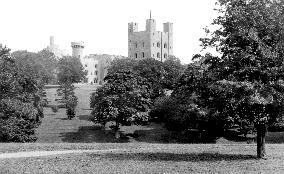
x: 77, y: 49
x: 150, y: 43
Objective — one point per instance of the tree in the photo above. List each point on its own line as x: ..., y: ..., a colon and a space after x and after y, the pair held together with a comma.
x: 123, y: 99
x: 247, y: 79
x: 153, y: 71
x: 159, y: 75
x: 42, y: 64
x: 70, y: 70
x: 173, y: 70
x: 20, y: 101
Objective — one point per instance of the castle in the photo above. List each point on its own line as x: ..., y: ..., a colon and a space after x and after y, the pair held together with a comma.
x: 150, y: 43
x: 141, y: 44
x: 55, y: 49
x: 95, y: 64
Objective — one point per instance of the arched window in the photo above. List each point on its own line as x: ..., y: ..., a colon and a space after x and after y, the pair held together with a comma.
x: 158, y: 44
x: 158, y: 55
x: 165, y: 55
x: 143, y: 54
x: 136, y: 55
x: 136, y: 44
x: 165, y: 45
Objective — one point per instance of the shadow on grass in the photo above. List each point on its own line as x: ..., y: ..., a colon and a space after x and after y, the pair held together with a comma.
x: 91, y: 134
x: 62, y: 118
x: 275, y: 137
x: 193, y: 157
x: 84, y: 117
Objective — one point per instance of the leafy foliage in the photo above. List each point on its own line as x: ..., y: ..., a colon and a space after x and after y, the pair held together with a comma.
x: 243, y: 84
x: 20, y: 101
x: 42, y: 65
x: 159, y: 75
x: 70, y: 70
x: 123, y: 99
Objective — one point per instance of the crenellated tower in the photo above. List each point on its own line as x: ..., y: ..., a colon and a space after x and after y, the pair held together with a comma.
x: 77, y: 49
x: 150, y: 43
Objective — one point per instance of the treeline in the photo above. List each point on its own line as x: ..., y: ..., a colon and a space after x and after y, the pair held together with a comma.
x: 23, y: 76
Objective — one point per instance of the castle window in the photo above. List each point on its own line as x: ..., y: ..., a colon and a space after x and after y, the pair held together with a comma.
x: 96, y: 72
x: 96, y: 65
x: 165, y: 45
x: 153, y: 44
x: 153, y: 34
x: 158, y: 44
x: 153, y: 55
x: 143, y: 54
x: 165, y: 55
x: 136, y: 55
x: 136, y: 44
x: 158, y: 55
x: 143, y: 44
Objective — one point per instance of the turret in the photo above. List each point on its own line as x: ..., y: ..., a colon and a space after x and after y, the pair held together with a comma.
x: 150, y: 25
x: 77, y: 49
x: 51, y: 40
x: 132, y: 27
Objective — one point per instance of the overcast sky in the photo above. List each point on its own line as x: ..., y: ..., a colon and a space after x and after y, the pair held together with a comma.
x: 101, y: 24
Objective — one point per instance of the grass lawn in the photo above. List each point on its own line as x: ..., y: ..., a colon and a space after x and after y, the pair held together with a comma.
x: 146, y: 152
x: 152, y: 158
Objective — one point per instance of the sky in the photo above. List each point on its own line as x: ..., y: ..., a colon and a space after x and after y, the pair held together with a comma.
x: 101, y: 24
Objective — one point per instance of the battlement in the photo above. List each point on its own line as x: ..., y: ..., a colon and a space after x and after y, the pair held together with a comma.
x: 150, y: 43
x: 77, y: 49
x: 77, y: 45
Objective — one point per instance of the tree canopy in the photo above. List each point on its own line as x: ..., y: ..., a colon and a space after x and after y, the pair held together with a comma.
x: 20, y: 107
x: 246, y: 81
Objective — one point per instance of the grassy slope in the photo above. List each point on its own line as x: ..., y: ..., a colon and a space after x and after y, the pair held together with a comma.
x: 156, y: 158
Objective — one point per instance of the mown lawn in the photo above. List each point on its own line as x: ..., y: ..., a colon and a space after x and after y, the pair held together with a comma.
x: 154, y: 158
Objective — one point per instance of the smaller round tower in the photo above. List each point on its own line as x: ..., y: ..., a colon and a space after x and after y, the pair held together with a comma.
x: 77, y: 49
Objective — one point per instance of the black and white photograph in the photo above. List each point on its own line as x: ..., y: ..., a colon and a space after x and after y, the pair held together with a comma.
x: 141, y: 87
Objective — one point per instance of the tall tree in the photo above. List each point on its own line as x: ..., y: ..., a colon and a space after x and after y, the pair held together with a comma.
x: 247, y: 79
x: 42, y: 65
x: 20, y: 108
x: 70, y: 70
x: 123, y: 99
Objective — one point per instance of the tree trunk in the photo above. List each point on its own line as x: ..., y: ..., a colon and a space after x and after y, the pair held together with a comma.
x: 117, y: 133
x: 261, y: 133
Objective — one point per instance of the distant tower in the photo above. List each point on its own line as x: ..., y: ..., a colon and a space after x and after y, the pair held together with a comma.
x: 51, y: 41
x: 150, y: 43
x: 77, y: 49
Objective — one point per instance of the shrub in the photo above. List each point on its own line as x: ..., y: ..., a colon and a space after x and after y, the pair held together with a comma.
x: 276, y: 127
x: 161, y: 107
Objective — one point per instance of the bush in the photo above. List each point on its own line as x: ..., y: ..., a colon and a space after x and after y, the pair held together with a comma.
x: 161, y: 107
x: 18, y: 121
x: 276, y: 127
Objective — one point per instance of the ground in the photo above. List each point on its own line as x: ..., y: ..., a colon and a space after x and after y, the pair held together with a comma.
x: 146, y: 152
x: 153, y: 158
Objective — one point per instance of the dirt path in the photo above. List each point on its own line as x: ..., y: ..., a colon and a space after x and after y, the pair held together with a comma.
x: 50, y: 153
